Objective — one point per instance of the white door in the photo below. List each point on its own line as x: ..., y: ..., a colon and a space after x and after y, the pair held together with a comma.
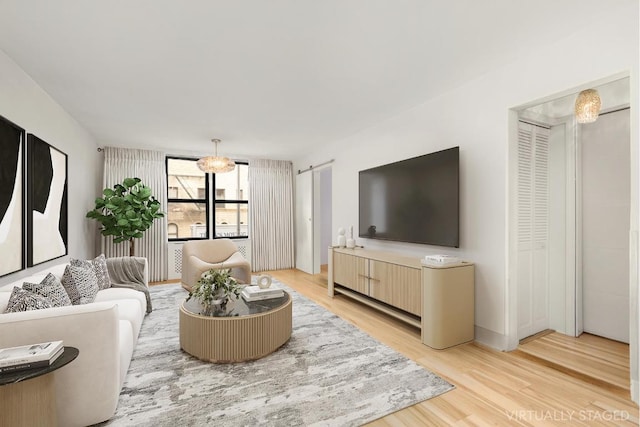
x: 606, y: 204
x: 533, y: 225
x: 304, y: 222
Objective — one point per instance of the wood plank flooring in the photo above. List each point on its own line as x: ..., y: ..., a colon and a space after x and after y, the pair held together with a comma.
x: 588, y: 355
x: 492, y: 388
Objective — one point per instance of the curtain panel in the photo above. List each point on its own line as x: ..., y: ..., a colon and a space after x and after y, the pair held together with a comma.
x: 271, y: 193
x: 149, y: 166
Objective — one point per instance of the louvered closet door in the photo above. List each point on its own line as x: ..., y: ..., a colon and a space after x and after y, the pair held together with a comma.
x: 533, y: 229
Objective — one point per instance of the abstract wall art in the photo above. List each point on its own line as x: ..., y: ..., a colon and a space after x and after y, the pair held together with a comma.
x: 11, y: 197
x: 46, y: 202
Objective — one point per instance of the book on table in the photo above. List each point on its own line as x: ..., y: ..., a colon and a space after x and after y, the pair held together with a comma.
x: 255, y: 293
x: 28, y: 355
x: 31, y: 365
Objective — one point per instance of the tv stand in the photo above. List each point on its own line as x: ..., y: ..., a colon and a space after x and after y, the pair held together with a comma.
x: 437, y: 299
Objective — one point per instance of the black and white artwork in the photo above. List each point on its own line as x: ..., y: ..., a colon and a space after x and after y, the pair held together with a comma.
x: 11, y: 197
x: 46, y: 201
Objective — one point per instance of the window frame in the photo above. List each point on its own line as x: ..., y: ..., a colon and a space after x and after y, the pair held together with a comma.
x: 215, y: 201
x: 209, y: 201
x: 206, y: 200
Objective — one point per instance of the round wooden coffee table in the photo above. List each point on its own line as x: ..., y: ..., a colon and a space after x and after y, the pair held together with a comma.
x: 239, y: 332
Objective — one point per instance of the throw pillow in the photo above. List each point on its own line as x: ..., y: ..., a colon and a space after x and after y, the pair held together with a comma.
x: 99, y: 266
x: 50, y: 288
x: 22, y: 300
x: 81, y: 284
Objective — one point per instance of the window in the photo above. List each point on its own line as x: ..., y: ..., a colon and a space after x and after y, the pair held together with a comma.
x: 189, y: 201
x: 231, y: 202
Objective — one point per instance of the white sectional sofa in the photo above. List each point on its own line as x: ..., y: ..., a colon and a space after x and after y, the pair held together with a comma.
x: 105, y: 331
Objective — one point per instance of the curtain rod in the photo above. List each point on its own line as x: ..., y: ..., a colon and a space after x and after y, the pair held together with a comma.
x: 310, y: 168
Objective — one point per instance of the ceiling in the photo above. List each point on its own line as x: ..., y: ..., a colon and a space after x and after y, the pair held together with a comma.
x: 269, y: 78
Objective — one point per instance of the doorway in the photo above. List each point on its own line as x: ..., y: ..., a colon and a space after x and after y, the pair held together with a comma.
x: 579, y: 295
x: 313, y: 218
x: 573, y: 217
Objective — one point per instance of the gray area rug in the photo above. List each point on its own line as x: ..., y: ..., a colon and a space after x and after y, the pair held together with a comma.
x: 328, y: 374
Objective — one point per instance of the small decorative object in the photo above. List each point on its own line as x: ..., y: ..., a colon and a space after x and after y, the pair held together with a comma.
x: 342, y: 241
x: 264, y: 281
x: 351, y: 243
x: 214, y: 289
x: 588, y: 106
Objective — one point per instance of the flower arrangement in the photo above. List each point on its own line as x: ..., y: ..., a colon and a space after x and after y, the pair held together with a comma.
x: 215, y: 287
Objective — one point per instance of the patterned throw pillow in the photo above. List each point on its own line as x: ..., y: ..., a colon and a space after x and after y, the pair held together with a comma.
x: 22, y: 300
x: 99, y: 266
x: 51, y: 289
x: 81, y: 284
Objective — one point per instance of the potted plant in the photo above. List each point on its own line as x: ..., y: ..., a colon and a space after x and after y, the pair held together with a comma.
x: 126, y: 211
x: 214, y: 288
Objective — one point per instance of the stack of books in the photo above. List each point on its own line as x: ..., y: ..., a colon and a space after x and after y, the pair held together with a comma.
x: 441, y: 259
x: 254, y: 293
x: 29, y: 356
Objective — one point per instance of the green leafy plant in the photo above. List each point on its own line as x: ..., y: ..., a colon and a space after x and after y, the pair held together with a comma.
x: 126, y: 211
x: 213, y: 285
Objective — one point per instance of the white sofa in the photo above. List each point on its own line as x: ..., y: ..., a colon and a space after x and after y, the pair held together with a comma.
x: 105, y: 331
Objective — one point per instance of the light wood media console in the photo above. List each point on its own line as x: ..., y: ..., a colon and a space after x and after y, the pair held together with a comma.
x: 437, y: 299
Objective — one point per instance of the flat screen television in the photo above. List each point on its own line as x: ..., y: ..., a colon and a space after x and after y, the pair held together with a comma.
x: 414, y: 200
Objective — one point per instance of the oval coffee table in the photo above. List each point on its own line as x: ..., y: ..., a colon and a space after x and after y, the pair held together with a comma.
x: 239, y: 332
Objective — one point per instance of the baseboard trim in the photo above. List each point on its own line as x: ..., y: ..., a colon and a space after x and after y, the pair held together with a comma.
x: 490, y: 338
x: 635, y: 390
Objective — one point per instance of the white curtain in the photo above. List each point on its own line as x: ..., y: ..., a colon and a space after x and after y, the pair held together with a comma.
x: 149, y: 166
x: 271, y: 193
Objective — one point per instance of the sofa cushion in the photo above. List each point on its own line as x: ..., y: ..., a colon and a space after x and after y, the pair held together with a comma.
x: 23, y: 300
x: 50, y: 288
x: 99, y: 266
x: 80, y: 283
x: 113, y: 294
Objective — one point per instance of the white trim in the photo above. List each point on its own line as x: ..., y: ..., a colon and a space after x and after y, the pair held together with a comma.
x: 492, y: 339
x: 511, y: 283
x: 572, y: 257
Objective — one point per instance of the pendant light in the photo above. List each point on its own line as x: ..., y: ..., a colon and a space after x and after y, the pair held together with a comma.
x: 588, y: 106
x: 216, y: 164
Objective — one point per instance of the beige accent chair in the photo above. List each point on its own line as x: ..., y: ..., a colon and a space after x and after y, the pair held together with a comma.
x: 199, y: 256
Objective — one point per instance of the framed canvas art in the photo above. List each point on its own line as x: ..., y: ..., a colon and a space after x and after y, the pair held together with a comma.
x: 12, y: 232
x: 46, y: 202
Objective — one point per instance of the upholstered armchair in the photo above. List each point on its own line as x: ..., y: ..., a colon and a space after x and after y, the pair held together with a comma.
x: 199, y: 256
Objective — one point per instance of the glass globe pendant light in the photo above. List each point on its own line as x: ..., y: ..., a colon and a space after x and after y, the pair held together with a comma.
x: 216, y: 164
x: 588, y: 106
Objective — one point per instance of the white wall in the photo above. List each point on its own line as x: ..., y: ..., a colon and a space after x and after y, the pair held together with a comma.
x: 326, y: 232
x: 26, y: 104
x: 475, y: 117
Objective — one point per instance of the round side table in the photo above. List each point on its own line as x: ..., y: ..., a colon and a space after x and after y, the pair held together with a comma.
x: 28, y: 397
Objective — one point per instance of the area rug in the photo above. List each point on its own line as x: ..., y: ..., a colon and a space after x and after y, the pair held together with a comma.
x: 328, y: 374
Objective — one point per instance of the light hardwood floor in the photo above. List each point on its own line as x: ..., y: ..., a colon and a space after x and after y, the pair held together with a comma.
x: 590, y: 356
x: 492, y: 388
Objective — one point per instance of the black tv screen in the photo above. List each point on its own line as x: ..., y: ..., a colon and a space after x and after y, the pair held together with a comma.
x: 414, y: 200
